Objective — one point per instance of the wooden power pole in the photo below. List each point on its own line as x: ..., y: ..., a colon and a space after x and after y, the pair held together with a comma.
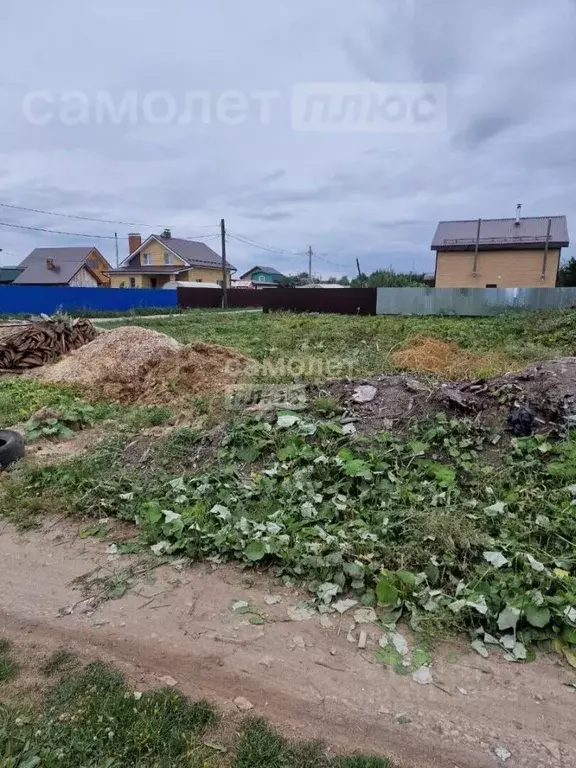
x: 224, y: 271
x: 310, y: 264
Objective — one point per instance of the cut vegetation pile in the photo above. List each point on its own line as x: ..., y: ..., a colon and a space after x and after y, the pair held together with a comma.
x: 137, y: 365
x: 425, y: 353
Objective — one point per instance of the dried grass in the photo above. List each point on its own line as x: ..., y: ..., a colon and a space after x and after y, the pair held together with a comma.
x: 137, y: 365
x: 446, y: 358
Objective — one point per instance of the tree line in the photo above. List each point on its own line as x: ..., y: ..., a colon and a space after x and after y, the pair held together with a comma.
x: 381, y: 278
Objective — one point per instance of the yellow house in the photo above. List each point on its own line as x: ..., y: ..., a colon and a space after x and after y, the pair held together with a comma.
x: 500, y: 253
x: 162, y: 258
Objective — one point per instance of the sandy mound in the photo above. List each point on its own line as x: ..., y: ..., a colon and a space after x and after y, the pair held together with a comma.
x: 137, y: 365
x: 196, y: 369
x: 425, y: 353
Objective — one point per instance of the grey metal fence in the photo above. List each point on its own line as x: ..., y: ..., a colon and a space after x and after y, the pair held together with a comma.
x: 475, y: 302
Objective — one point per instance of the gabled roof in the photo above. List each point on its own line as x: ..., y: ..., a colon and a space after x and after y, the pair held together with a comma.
x: 494, y: 233
x: 67, y: 262
x: 268, y: 270
x: 191, y: 252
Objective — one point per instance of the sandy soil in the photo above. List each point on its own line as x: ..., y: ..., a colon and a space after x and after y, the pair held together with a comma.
x: 308, y: 680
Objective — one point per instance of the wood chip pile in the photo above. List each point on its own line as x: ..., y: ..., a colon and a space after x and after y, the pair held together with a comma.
x: 37, y: 343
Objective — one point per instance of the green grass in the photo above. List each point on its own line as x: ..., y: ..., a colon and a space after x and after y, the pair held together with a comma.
x: 92, y: 718
x: 404, y: 521
x: 9, y: 667
x: 20, y: 398
x: 261, y: 747
x: 363, y: 345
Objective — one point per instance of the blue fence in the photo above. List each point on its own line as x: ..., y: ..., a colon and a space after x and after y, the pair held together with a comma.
x: 34, y: 299
x: 472, y: 302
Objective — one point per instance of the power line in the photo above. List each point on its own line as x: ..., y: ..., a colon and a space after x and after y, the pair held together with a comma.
x: 264, y: 247
x: 58, y: 232
x: 332, y: 263
x: 88, y: 218
x: 87, y: 234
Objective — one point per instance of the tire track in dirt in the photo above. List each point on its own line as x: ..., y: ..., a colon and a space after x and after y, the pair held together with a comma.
x: 307, y: 680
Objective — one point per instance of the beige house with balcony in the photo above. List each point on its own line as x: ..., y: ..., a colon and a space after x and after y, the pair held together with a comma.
x: 162, y: 258
x: 500, y: 253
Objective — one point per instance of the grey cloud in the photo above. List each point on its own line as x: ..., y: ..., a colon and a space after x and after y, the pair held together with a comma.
x: 274, y: 216
x: 509, y: 69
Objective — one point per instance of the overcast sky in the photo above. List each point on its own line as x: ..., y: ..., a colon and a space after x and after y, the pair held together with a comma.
x: 508, y: 68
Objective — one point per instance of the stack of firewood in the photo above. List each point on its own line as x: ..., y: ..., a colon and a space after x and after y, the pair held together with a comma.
x: 38, y: 343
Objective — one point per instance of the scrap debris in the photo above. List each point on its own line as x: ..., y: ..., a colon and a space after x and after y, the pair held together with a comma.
x: 37, y: 343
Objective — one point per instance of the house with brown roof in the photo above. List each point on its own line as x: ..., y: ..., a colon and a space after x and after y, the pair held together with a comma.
x: 500, y: 253
x: 78, y: 267
x: 162, y: 258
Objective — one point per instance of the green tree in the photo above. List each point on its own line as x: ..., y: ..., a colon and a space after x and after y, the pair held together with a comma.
x: 567, y: 273
x: 387, y: 278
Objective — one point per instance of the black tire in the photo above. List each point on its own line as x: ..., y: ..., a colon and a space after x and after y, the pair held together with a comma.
x: 11, y: 447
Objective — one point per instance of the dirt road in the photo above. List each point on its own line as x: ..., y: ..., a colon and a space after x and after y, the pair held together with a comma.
x: 307, y: 679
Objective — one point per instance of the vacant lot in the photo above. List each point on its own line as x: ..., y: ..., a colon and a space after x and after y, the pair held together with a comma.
x: 366, y: 344
x: 405, y: 514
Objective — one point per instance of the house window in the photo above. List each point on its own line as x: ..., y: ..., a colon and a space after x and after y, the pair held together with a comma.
x: 146, y: 259
x: 168, y: 258
x: 491, y: 285
x: 198, y: 281
x: 261, y: 278
x: 132, y: 282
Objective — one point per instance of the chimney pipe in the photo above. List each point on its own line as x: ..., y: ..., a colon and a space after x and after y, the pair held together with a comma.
x: 49, y: 263
x: 518, y: 214
x: 167, y: 234
x: 134, y: 242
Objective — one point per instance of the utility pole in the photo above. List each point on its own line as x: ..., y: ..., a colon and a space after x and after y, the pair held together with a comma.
x: 116, y: 241
x: 224, y: 274
x: 358, y: 268
x: 310, y: 264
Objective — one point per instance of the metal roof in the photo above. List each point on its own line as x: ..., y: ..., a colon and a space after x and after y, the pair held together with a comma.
x: 131, y: 269
x: 9, y: 274
x: 268, y: 270
x: 191, y: 252
x: 67, y: 262
x: 496, y: 233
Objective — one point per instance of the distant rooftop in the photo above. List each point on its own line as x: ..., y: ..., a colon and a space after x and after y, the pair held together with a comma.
x: 529, y: 233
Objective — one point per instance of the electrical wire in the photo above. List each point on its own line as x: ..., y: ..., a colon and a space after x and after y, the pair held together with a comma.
x: 59, y: 232
x: 101, y: 221
x: 264, y: 247
x: 87, y: 234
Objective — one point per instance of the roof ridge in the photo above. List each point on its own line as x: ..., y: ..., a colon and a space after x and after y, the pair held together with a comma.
x: 506, y: 218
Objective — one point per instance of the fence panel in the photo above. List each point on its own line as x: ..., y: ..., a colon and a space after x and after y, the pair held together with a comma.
x: 471, y: 302
x: 341, y: 301
x: 346, y: 301
x: 199, y: 298
x: 48, y: 299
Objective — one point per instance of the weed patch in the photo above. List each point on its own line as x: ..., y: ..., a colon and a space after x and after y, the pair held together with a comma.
x: 363, y: 346
x: 90, y: 717
x: 58, y: 662
x: 20, y: 398
x: 261, y: 747
x: 8, y: 665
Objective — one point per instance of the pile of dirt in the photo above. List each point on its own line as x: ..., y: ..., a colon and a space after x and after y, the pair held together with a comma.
x: 425, y: 353
x: 548, y: 389
x: 137, y: 365
x: 197, y: 369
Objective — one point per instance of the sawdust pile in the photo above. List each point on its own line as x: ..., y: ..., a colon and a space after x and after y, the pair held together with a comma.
x: 425, y: 353
x: 137, y: 365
